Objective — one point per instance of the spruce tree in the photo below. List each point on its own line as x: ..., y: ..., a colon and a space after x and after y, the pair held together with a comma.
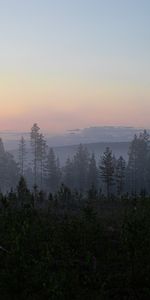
x: 35, y: 149
x: 53, y: 171
x: 9, y: 172
x: 92, y: 172
x: 107, y: 170
x: 68, y: 173
x: 80, y: 167
x: 23, y: 193
x: 41, y: 153
x: 120, y: 175
x: 137, y: 163
x: 22, y: 155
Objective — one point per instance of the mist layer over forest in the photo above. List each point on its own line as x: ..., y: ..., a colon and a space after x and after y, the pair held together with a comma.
x: 121, y: 167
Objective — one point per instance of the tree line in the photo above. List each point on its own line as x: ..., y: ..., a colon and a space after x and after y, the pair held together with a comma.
x: 70, y: 240
x: 69, y: 246
x: 82, y: 172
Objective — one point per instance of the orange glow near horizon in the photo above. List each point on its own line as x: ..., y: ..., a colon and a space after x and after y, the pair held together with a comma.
x: 59, y: 104
x: 67, y: 64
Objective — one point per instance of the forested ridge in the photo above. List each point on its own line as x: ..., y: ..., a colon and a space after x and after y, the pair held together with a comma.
x: 77, y: 232
x: 109, y: 175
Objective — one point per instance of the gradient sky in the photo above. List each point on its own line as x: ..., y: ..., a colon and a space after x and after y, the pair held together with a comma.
x: 74, y: 63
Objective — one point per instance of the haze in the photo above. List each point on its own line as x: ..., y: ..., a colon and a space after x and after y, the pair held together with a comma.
x: 68, y: 64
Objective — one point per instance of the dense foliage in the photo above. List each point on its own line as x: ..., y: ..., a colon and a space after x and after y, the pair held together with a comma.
x: 69, y: 246
x: 85, y: 238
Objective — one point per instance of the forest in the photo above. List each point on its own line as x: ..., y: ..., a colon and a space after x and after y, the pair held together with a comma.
x: 109, y: 175
x: 78, y: 231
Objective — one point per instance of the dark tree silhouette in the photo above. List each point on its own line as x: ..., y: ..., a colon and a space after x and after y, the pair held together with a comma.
x: 42, y: 152
x: 81, y: 163
x: 53, y: 171
x: 107, y: 169
x: 35, y: 149
x: 22, y: 155
x: 92, y: 172
x: 120, y: 175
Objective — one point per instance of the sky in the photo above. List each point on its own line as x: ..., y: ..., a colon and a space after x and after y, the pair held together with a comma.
x: 74, y: 63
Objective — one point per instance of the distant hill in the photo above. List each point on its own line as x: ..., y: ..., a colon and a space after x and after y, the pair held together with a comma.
x: 91, y: 135
x: 95, y: 135
x: 95, y: 138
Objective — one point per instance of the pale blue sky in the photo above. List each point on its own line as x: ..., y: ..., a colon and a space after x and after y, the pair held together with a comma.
x: 98, y: 43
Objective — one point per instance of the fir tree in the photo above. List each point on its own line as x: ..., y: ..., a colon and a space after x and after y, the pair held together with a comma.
x: 22, y: 155
x: 80, y: 167
x: 120, y: 175
x: 42, y: 151
x: 35, y: 149
x: 92, y: 172
x: 137, y: 163
x: 53, y: 171
x: 107, y: 170
x: 68, y: 173
x: 23, y: 192
x: 8, y: 169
